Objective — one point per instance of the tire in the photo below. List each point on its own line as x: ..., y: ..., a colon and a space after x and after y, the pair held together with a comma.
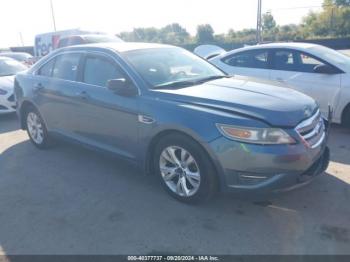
x: 179, y: 160
x: 36, y: 129
x: 346, y: 117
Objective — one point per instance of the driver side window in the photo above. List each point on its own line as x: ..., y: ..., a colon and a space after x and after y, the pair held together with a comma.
x: 98, y: 70
x: 308, y: 63
x: 295, y: 61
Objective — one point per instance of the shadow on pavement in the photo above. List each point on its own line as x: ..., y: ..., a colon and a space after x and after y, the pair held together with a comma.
x: 8, y: 123
x: 70, y: 200
x: 339, y: 143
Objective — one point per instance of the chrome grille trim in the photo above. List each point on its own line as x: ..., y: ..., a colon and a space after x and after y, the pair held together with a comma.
x: 319, y: 141
x: 11, y: 98
x: 308, y: 122
x: 312, y: 130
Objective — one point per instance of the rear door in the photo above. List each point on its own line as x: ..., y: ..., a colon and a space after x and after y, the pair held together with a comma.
x: 253, y: 63
x: 296, y: 69
x: 55, y: 87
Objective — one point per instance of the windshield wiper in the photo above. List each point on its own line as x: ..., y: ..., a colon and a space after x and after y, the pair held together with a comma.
x: 210, y: 78
x: 186, y: 83
x: 175, y: 84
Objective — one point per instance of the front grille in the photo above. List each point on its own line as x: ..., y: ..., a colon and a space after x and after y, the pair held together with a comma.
x: 312, y: 130
x: 11, y: 98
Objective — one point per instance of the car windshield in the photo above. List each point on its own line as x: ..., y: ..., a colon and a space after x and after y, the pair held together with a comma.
x: 10, y: 67
x: 167, y: 67
x: 332, y: 56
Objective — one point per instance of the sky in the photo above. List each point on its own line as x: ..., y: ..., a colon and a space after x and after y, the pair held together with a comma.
x: 23, y: 19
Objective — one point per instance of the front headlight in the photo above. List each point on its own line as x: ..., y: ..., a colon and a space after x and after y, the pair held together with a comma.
x: 268, y: 136
x: 3, y: 92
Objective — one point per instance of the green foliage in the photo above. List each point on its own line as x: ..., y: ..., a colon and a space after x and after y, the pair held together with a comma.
x: 268, y: 22
x: 170, y: 34
x: 205, y: 34
x: 342, y: 3
x: 332, y: 21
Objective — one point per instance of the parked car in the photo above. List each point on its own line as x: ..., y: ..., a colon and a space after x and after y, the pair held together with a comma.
x: 208, y: 51
x: 8, y: 68
x: 47, y: 42
x: 315, y: 70
x: 22, y: 57
x: 176, y: 116
x: 87, y: 39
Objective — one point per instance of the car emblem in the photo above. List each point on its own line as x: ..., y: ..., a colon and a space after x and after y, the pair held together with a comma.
x: 307, y: 111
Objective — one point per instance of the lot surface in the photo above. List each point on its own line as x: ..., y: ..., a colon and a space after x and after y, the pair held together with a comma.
x: 69, y: 200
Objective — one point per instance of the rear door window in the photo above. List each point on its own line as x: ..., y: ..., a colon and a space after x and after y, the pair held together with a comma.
x: 66, y: 67
x: 249, y: 59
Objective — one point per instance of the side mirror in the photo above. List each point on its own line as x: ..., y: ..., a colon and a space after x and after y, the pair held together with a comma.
x: 122, y: 87
x: 324, y: 69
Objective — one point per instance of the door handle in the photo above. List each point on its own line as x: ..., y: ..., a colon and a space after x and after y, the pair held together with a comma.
x: 280, y: 79
x: 38, y: 87
x: 83, y: 95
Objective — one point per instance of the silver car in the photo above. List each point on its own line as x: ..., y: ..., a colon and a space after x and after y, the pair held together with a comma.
x: 8, y: 68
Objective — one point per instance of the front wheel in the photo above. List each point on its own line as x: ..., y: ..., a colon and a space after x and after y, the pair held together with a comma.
x: 185, y: 169
x: 346, y: 117
x: 36, y: 129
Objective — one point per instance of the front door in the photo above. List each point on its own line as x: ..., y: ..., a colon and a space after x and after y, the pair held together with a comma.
x: 296, y: 70
x: 105, y: 119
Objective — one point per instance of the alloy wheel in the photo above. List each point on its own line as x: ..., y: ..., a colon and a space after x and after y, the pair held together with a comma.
x: 35, y: 128
x: 179, y: 171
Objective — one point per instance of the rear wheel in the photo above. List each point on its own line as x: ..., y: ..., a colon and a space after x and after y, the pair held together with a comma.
x: 185, y: 169
x: 36, y: 128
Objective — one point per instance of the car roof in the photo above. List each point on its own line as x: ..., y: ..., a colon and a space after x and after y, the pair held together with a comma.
x: 118, y: 47
x: 287, y: 45
x: 291, y: 45
x: 6, y: 58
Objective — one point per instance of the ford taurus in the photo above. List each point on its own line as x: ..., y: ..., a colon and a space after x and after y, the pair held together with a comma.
x: 176, y: 116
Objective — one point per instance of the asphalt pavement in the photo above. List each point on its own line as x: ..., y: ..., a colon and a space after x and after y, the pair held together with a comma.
x: 70, y: 200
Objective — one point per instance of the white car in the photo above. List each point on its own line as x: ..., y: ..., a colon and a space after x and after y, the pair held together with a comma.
x: 8, y: 68
x: 315, y: 70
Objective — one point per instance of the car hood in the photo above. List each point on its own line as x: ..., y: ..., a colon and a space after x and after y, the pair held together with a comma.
x: 6, y: 82
x: 263, y: 100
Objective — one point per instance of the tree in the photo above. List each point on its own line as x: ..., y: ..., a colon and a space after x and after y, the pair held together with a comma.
x: 205, y: 34
x: 268, y: 22
x: 342, y: 3
x: 288, y: 32
x: 149, y: 34
x: 332, y: 21
x: 174, y: 34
